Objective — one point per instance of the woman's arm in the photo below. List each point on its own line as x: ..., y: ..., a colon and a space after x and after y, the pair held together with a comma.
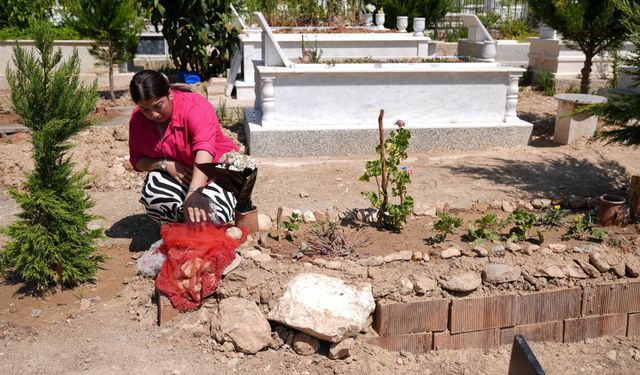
x: 196, y: 204
x: 180, y: 172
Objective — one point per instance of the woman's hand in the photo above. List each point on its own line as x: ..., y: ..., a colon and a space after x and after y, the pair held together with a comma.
x: 196, y: 207
x: 179, y: 172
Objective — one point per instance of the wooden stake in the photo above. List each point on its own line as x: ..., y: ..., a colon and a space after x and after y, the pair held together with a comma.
x: 383, y: 167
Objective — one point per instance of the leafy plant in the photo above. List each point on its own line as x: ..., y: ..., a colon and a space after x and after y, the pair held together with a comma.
x: 311, y: 54
x: 200, y: 34
x: 387, y: 172
x: 553, y: 216
x: 446, y: 224
x: 527, y: 77
x: 485, y: 228
x: 523, y: 221
x: 582, y: 227
x: 114, y: 26
x: 22, y: 13
x: 546, y: 83
x: 291, y: 226
x: 490, y: 19
x: 51, y: 243
x: 332, y: 240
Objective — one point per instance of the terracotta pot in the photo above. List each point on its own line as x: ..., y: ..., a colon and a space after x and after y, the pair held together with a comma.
x: 247, y: 220
x: 611, y: 210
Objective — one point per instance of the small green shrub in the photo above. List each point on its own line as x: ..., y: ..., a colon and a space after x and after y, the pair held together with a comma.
x: 485, y: 228
x: 311, y: 54
x: 546, y: 83
x: 490, y: 19
x: 57, y: 33
x: 523, y: 221
x: 455, y: 34
x: 527, y: 77
x: 291, y: 226
x: 583, y: 227
x: 445, y: 224
x: 513, y: 29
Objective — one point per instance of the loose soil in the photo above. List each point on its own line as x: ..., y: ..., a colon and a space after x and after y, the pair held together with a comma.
x: 116, y: 332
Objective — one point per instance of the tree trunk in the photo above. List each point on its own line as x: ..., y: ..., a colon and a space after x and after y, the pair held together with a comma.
x: 110, y: 52
x: 383, y: 168
x: 634, y: 198
x: 585, y: 80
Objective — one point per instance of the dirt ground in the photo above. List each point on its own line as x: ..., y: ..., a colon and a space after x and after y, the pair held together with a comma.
x: 115, y: 331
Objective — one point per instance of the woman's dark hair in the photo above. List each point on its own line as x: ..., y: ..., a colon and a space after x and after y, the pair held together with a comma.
x: 148, y: 84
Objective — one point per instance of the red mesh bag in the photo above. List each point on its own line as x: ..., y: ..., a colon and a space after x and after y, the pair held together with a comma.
x: 196, y: 257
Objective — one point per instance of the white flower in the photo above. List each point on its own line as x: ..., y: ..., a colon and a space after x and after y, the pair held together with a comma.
x: 370, y: 8
x: 236, y: 161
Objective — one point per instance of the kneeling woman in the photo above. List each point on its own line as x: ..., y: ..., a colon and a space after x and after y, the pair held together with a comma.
x: 169, y: 131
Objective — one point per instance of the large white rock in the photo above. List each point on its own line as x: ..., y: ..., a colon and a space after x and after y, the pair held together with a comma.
x: 324, y: 307
x: 241, y: 322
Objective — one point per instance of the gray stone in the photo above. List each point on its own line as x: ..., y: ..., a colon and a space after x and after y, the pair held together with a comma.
x: 341, y: 349
x: 85, y: 304
x: 513, y: 247
x: 599, y: 262
x: 480, y: 251
x: 508, y: 206
x: 541, y: 203
x: 577, y: 250
x: 451, y: 252
x: 303, y: 194
x: 324, y: 307
x: 497, y: 251
x: 465, y: 282
x: 367, y: 215
x: 241, y: 322
x: 376, y: 261
x: 233, y: 233
x: 304, y: 344
x: 422, y: 284
x: 557, y: 247
x: 264, y: 222
x: 400, y: 255
x: 552, y: 271
x: 319, y: 262
x: 422, y: 209
x: 35, y: 313
x: 333, y: 215
x: 262, y: 258
x: 588, y: 268
x: 526, y: 205
x: 308, y: 217
x: 619, y: 269
x: 405, y: 286
x: 334, y: 265
x: 416, y: 256
x: 573, y: 271
x: 632, y: 269
x: 612, y: 355
x: 496, y: 273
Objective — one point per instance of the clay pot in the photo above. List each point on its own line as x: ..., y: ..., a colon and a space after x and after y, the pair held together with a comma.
x: 611, y: 210
x: 248, y: 220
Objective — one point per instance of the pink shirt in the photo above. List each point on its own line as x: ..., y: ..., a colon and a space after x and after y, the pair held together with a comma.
x: 193, y: 126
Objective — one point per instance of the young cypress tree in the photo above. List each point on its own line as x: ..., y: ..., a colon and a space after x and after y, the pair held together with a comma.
x: 50, y: 242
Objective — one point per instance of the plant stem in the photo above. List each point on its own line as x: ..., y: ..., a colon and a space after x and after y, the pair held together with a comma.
x: 383, y: 168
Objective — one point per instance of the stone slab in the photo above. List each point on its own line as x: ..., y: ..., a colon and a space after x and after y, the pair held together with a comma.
x: 486, y: 339
x: 474, y: 314
x: 402, y: 318
x: 345, y: 140
x: 549, y: 331
x: 611, y: 298
x: 416, y: 343
x: 549, y: 306
x: 595, y: 326
x: 633, y: 325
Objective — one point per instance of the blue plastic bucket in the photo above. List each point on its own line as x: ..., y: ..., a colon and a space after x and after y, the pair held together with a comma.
x: 190, y: 78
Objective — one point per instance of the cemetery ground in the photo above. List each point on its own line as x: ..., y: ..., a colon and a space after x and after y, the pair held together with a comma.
x: 108, y: 326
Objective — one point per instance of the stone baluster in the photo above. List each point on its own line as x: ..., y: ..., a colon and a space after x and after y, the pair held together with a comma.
x: 512, y: 97
x: 268, y: 100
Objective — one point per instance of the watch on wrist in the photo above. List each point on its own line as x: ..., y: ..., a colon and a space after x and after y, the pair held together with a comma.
x: 163, y: 165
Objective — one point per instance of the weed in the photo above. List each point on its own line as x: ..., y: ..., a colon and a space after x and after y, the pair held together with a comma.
x: 523, y: 221
x: 553, y: 216
x: 291, y: 226
x: 312, y: 54
x: 445, y: 224
x: 527, y: 77
x: 546, y: 83
x: 332, y: 240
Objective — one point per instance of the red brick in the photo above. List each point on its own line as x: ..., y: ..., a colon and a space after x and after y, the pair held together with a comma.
x: 595, y: 326
x: 474, y: 314
x: 417, y: 343
x: 486, y: 339
x: 415, y: 317
x: 611, y: 299
x: 549, y: 331
x: 166, y: 311
x: 633, y: 325
x: 549, y: 306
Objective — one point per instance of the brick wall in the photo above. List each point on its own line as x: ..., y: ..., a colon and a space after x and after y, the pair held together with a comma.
x: 564, y: 315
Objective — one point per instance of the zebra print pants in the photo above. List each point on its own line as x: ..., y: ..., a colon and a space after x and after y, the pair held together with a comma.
x: 162, y: 198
